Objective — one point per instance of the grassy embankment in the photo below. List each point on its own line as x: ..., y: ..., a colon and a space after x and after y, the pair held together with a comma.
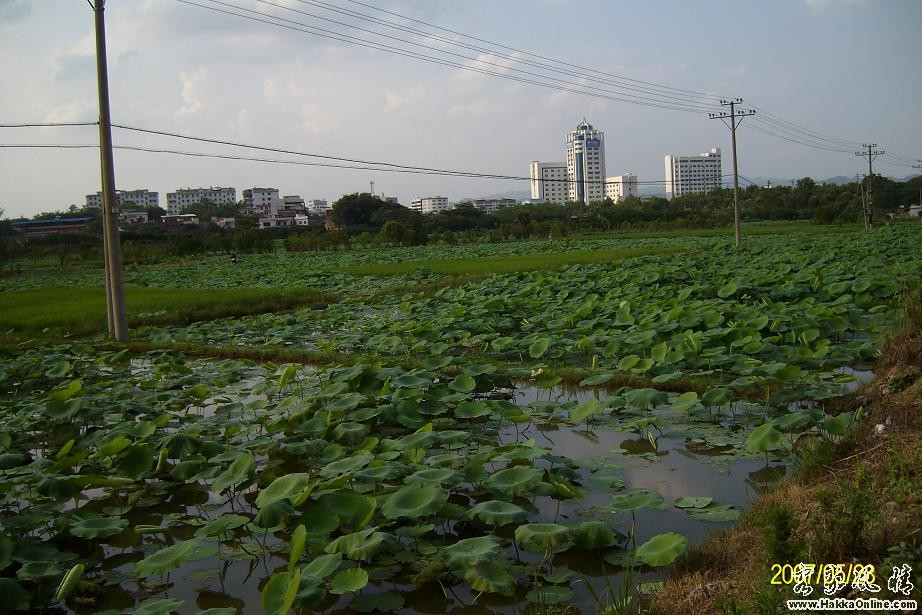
x: 82, y: 311
x: 857, y: 500
x: 507, y: 264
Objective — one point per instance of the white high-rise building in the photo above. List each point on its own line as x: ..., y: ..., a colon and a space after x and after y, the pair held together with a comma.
x: 177, y: 202
x: 549, y: 182
x: 620, y: 187
x: 142, y: 199
x: 430, y: 204
x: 690, y: 174
x: 586, y: 163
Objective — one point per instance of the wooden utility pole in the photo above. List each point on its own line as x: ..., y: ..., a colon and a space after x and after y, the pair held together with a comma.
x: 735, y: 118
x: 871, y: 154
x: 115, y: 291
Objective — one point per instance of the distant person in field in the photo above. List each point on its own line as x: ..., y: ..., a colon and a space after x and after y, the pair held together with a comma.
x: 234, y: 258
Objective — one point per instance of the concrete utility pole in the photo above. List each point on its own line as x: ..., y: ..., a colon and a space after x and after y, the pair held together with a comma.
x: 735, y: 117
x: 871, y: 154
x: 115, y: 291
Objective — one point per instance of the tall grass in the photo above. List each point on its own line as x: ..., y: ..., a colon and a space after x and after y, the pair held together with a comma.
x: 507, y: 264
x: 82, y: 311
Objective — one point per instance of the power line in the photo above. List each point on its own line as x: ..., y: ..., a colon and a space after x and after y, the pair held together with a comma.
x: 408, y: 170
x: 48, y: 124
x: 346, y: 38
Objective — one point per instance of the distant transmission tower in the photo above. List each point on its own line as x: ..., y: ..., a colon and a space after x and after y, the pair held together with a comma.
x: 871, y: 155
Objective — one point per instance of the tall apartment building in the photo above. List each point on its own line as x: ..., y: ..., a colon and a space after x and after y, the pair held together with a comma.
x: 177, y: 202
x: 586, y: 163
x: 690, y: 174
x: 430, y: 204
x: 620, y: 187
x: 549, y: 182
x: 141, y: 199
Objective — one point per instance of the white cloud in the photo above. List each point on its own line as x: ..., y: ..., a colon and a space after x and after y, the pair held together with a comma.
x: 192, y: 91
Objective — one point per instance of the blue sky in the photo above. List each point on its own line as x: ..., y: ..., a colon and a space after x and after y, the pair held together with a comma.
x: 845, y: 68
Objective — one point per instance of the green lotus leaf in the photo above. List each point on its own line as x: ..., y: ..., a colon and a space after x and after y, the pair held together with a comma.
x: 273, y: 515
x: 544, y: 537
x: 385, y: 602
x: 645, y: 399
x: 8, y: 461
x: 538, y: 348
x: 298, y: 542
x: 794, y: 420
x: 171, y: 557
x: 514, y: 481
x: 685, y: 402
x: 661, y: 550
x: 437, y: 476
x: 361, y: 545
x: 280, y: 591
x: 636, y: 500
x: 38, y: 570
x: 687, y: 501
x: 235, y: 473
x: 322, y: 566
x: 13, y: 595
x: 727, y: 289
x: 221, y: 526
x: 838, y: 425
x: 463, y: 383
x: 410, y: 381
x: 349, y: 580
x: 627, y: 363
x: 347, y: 402
x: 763, y: 438
x: 290, y: 486
x: 98, y: 528
x: 585, y: 409
x: 353, y: 509
x: 136, y: 460
x: 414, y: 501
x: 491, y: 577
x: 596, y: 380
x: 468, y: 551
x: 717, y: 397
x: 472, y: 409
x: 495, y: 512
x: 69, y: 582
x: 715, y: 513
x: 592, y: 535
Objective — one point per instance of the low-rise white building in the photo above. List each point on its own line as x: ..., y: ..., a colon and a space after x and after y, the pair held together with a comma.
x: 141, y: 199
x: 549, y: 182
x: 317, y: 206
x: 490, y: 206
x: 262, y: 201
x: 177, y: 202
x: 620, y: 187
x: 225, y: 222
x: 179, y: 220
x: 430, y: 204
x: 276, y: 222
x: 302, y: 220
x: 132, y: 217
x: 691, y: 174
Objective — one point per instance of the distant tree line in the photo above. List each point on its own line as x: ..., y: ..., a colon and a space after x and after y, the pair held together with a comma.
x: 364, y: 220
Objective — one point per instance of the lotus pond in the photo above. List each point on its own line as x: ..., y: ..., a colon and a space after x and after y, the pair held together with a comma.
x: 444, y: 469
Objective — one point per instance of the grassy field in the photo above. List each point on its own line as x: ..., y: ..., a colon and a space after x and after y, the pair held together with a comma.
x: 82, y: 311
x: 507, y: 264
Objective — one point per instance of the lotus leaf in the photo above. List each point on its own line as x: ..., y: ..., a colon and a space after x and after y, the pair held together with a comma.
x: 468, y: 551
x: 290, y: 486
x: 414, y: 501
x: 544, y: 537
x: 661, y: 550
x: 349, y: 580
x: 514, y: 481
x: 636, y: 500
x: 495, y: 512
x: 99, y: 527
x: 490, y: 576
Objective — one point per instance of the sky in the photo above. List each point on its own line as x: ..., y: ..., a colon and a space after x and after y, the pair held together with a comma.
x: 845, y: 69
